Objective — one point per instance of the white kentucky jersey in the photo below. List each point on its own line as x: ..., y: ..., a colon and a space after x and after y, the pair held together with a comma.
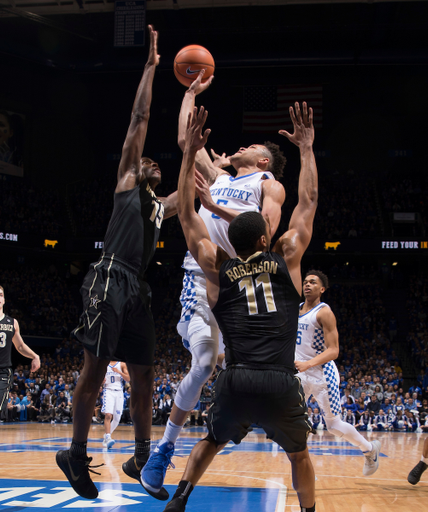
x: 243, y: 194
x: 113, y: 380
x: 310, y: 336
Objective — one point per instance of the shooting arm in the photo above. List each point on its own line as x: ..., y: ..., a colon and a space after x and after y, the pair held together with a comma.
x: 202, y: 159
x: 196, y: 234
x: 24, y: 349
x: 137, y: 131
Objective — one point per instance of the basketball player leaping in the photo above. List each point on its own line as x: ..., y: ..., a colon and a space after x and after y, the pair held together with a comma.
x: 317, y: 346
x: 117, y: 323
x: 10, y: 334
x: 112, y: 401
x: 254, y: 188
x: 255, y: 299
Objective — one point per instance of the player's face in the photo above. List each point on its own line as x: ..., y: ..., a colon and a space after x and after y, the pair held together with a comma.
x: 312, y: 287
x: 152, y: 171
x: 1, y: 299
x: 250, y: 156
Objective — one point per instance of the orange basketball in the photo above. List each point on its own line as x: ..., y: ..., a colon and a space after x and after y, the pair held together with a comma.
x: 189, y: 61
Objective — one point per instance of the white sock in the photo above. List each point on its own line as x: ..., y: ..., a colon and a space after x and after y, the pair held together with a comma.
x: 171, y: 433
x: 424, y: 459
x: 346, y: 431
x: 107, y: 436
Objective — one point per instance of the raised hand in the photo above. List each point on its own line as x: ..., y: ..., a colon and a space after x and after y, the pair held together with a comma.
x: 153, y: 58
x: 197, y: 86
x: 220, y: 161
x: 303, y: 126
x: 195, y: 139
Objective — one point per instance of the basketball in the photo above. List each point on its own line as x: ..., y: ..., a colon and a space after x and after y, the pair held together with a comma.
x: 189, y: 61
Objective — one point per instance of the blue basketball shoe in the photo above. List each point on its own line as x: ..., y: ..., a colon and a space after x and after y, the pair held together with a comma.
x: 153, y: 473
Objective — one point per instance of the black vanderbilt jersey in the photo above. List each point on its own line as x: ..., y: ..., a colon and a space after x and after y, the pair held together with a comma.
x: 134, y: 227
x: 257, y: 310
x: 7, y: 332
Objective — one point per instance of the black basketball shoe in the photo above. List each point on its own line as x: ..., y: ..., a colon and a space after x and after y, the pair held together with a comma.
x: 176, y: 505
x: 133, y: 470
x: 77, y: 473
x: 416, y: 473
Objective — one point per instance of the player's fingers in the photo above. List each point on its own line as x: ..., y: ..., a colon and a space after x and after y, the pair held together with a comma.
x: 214, y: 154
x: 285, y: 133
x: 311, y: 116
x: 298, y: 113
x: 292, y: 115
x: 305, y: 112
x: 206, y: 135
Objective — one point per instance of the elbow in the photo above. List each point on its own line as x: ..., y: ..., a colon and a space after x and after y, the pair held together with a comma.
x: 141, y: 116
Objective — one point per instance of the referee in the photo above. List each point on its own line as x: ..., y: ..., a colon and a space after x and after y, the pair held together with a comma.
x: 9, y: 333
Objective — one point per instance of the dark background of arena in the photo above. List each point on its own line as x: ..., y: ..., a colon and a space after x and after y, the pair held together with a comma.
x: 77, y: 94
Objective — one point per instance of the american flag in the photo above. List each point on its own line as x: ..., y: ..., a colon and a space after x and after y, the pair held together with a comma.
x: 266, y: 108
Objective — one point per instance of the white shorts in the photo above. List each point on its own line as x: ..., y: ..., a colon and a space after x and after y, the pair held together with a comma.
x: 323, y: 383
x: 112, y: 402
x: 197, y: 323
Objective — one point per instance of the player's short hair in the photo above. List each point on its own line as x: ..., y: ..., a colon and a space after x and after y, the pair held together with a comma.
x: 1, y: 288
x: 322, y: 277
x: 277, y: 159
x: 245, y: 230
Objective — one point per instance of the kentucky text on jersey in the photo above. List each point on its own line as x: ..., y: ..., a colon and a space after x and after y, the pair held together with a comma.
x: 6, y: 327
x: 248, y: 269
x: 303, y: 327
x: 231, y: 192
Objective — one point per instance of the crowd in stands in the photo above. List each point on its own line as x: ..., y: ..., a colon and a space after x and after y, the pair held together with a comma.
x: 372, y: 392
x: 30, y: 209
x: 40, y: 299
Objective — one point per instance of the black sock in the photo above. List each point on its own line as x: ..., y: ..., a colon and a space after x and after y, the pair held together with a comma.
x: 78, y: 450
x: 183, y: 490
x: 142, y: 450
x: 310, y: 509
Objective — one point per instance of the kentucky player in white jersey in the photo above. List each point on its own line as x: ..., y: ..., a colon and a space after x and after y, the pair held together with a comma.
x: 112, y: 400
x: 317, y: 345
x: 223, y: 197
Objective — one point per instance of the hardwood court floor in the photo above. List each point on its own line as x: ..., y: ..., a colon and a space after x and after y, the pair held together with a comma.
x: 27, y: 453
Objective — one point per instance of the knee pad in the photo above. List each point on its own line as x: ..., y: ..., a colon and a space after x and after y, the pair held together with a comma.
x: 334, y: 425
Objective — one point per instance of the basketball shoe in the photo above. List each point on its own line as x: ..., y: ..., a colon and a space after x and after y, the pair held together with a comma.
x: 372, y: 459
x: 153, y: 473
x: 77, y: 473
x: 416, y: 473
x: 108, y: 442
x: 133, y: 470
x: 176, y: 505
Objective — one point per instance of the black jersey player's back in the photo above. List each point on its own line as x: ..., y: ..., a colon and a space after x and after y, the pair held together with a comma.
x: 257, y: 310
x: 134, y: 227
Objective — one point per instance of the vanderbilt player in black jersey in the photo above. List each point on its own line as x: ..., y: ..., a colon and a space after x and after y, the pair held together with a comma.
x: 255, y: 299
x: 117, y: 322
x: 10, y: 334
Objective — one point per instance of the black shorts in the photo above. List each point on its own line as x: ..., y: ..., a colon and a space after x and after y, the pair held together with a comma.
x: 273, y: 400
x: 5, y: 383
x: 117, y: 322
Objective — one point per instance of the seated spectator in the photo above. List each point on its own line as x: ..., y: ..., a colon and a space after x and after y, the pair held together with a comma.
x: 317, y: 420
x: 312, y: 403
x: 349, y: 416
x: 411, y: 421
x: 13, y: 407
x: 398, y: 423
x: 165, y: 407
x: 380, y: 422
x: 156, y: 415
x: 62, y: 409
x: 374, y: 405
x: 365, y: 422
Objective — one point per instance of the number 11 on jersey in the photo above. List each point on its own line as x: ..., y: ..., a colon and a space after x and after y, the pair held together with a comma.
x: 262, y: 280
